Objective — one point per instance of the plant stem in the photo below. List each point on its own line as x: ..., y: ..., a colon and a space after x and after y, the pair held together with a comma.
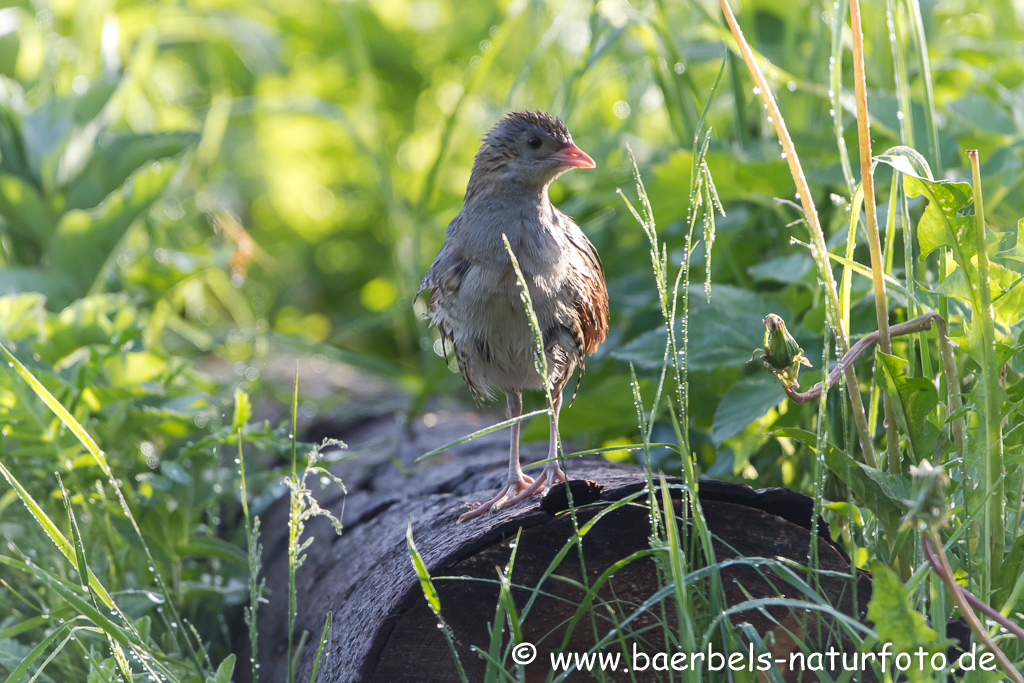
x: 919, y: 324
x: 975, y: 601
x: 892, y: 443
x: 952, y: 382
x: 813, y: 225
x: 993, y: 460
x: 917, y: 23
x: 968, y: 614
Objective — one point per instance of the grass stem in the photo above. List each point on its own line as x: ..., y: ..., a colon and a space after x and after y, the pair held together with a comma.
x: 813, y: 224
x: 892, y: 443
x: 992, y: 463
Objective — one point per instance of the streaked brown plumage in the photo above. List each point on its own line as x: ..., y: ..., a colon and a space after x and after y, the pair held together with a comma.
x: 474, y: 298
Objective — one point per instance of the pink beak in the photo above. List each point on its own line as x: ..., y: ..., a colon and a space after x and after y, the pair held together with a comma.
x: 573, y: 157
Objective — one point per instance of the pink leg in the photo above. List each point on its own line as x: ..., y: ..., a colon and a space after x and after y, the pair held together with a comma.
x: 517, y: 481
x: 552, y: 473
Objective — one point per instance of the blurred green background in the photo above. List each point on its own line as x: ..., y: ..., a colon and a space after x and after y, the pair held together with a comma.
x: 297, y: 162
x: 276, y: 177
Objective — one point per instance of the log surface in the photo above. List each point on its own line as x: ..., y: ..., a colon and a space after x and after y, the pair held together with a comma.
x: 383, y: 629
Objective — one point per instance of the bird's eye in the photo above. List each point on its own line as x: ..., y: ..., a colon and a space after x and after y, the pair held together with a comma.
x: 534, y: 142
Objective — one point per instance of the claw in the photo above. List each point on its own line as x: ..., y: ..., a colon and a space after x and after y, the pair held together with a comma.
x: 551, y: 475
x: 512, y: 489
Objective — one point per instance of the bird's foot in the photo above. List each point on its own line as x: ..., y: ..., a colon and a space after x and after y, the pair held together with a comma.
x: 513, y: 488
x: 551, y: 475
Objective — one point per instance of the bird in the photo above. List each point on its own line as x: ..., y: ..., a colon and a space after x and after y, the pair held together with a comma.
x: 475, y: 301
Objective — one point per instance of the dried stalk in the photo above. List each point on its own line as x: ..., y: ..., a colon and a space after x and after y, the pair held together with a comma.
x: 814, y: 226
x: 960, y: 596
x: 892, y: 443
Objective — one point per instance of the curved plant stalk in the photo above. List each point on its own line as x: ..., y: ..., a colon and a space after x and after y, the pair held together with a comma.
x: 813, y: 224
x: 921, y: 323
x: 960, y: 596
x: 973, y: 599
x: 892, y: 442
x: 993, y: 460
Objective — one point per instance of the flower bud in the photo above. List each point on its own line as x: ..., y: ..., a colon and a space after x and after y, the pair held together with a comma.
x: 783, y: 356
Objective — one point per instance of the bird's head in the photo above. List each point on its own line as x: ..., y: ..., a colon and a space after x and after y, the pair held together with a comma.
x: 529, y: 149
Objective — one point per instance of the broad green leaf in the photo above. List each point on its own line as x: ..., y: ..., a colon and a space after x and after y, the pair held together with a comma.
x: 880, y: 492
x: 914, y: 399
x: 21, y: 315
x: 28, y: 220
x: 1016, y: 252
x: 949, y: 218
x: 86, y: 239
x: 897, y: 623
x: 982, y: 113
x: 721, y: 334
x: 612, y: 399
x: 138, y: 367
x: 747, y: 400
x: 971, y: 343
x: 113, y: 160
x: 786, y: 269
x: 48, y: 283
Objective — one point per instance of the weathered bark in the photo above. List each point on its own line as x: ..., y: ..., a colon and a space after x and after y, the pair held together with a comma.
x: 383, y: 629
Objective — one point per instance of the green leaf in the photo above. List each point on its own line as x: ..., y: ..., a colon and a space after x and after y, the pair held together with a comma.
x: 210, y: 546
x: 113, y: 160
x: 914, y: 399
x: 28, y: 220
x: 982, y: 113
x: 1016, y: 252
x: 224, y: 671
x: 721, y: 334
x: 85, y: 239
x: 897, y: 623
x: 50, y: 284
x: 880, y: 492
x: 325, y: 638
x: 949, y: 218
x: 429, y: 592
x: 746, y: 401
x: 971, y: 343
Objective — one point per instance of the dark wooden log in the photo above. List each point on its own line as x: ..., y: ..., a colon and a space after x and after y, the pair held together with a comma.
x: 383, y: 629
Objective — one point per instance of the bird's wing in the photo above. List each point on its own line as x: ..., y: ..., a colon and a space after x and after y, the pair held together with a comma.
x: 443, y: 279
x: 591, y: 294
x: 439, y: 274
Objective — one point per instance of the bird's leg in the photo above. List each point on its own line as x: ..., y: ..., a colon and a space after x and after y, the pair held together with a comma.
x: 552, y: 473
x: 517, y: 481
